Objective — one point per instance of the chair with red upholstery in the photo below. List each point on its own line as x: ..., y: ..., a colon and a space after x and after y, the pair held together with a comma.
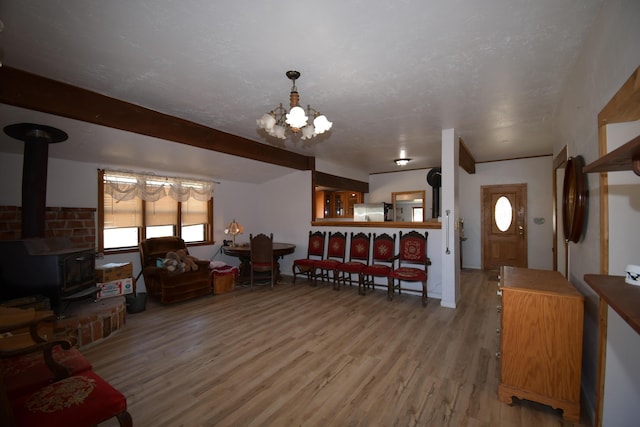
x: 80, y: 400
x: 413, y: 264
x: 24, y: 373
x: 68, y: 395
x: 28, y: 360
x: 315, y: 252
x: 359, y: 245
x: 336, y: 252
x: 382, y: 258
x: 262, y: 257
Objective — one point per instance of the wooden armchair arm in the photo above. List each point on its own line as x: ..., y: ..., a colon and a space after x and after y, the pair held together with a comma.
x: 203, y: 264
x: 46, y: 348
x: 17, y: 342
x: 17, y: 345
x: 13, y: 319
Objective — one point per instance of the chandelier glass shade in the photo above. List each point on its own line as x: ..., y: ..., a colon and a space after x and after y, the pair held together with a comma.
x: 278, y: 121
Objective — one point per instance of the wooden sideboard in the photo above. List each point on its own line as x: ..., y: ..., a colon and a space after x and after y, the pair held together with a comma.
x: 540, y: 339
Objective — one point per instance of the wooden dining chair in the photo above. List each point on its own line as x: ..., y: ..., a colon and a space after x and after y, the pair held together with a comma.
x: 382, y: 257
x: 336, y: 251
x: 315, y: 252
x: 359, y: 245
x: 413, y: 264
x: 262, y: 257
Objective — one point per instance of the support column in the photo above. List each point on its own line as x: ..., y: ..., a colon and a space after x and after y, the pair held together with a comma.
x: 450, y: 212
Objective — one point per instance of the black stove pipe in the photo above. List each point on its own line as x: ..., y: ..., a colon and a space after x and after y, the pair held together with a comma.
x: 434, y: 179
x: 34, y: 173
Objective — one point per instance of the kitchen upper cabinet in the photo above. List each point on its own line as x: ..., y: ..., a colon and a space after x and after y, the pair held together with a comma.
x: 336, y: 204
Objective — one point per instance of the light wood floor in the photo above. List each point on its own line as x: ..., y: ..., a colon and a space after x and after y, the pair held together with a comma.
x: 299, y: 355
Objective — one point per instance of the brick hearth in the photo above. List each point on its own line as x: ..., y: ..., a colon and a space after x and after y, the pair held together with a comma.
x: 89, y: 321
x: 92, y: 322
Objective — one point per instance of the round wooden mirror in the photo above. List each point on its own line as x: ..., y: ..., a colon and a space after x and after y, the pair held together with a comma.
x: 574, y: 199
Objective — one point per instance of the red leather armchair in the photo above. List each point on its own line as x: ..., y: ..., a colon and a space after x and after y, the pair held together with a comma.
x: 160, y: 283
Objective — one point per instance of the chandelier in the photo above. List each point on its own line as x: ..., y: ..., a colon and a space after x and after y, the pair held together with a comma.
x: 277, y: 121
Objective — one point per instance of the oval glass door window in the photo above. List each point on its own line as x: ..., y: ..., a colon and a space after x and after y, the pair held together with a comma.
x: 503, y: 213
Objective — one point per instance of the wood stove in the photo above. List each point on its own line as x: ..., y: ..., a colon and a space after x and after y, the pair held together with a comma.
x: 49, y: 266
x: 46, y: 266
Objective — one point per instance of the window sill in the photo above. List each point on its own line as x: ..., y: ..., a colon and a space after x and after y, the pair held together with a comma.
x: 137, y: 249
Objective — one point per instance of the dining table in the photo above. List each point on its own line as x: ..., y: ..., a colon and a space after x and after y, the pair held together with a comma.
x: 243, y: 253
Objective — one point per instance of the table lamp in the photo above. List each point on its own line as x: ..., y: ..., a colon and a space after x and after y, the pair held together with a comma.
x: 234, y: 228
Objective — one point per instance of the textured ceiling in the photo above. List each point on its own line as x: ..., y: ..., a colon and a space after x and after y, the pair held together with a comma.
x: 390, y: 75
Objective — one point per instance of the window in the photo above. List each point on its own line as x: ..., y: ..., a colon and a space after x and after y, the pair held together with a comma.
x: 417, y: 215
x: 503, y: 213
x: 133, y: 207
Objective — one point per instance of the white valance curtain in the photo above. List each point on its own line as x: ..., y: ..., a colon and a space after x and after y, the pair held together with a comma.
x: 122, y: 186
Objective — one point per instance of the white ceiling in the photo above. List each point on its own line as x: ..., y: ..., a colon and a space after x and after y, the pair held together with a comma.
x: 389, y: 74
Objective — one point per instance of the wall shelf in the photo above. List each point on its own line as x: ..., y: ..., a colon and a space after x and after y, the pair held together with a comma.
x: 623, y: 158
x: 622, y: 297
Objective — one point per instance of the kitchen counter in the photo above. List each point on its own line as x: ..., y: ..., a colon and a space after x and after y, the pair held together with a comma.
x: 385, y: 224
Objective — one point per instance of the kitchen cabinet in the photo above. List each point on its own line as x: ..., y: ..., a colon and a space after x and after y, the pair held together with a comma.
x: 336, y: 204
x: 540, y: 339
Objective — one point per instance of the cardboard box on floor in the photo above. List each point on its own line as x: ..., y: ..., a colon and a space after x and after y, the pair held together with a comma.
x: 115, y: 288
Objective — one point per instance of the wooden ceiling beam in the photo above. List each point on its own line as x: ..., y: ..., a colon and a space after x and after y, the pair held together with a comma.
x: 466, y: 160
x: 339, y: 182
x: 34, y: 92
x: 624, y: 106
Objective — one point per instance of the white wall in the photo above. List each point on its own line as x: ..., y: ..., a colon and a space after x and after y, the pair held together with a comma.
x: 281, y: 206
x: 624, y: 205
x: 340, y: 170
x: 621, y: 387
x: 609, y: 56
x: 537, y: 174
x: 383, y: 184
x: 450, y: 245
x: 69, y: 184
x: 622, y: 379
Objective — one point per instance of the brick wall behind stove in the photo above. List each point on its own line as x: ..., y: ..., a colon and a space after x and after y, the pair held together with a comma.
x: 78, y: 224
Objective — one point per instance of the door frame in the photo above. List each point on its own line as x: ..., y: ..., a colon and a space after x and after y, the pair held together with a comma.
x: 559, y: 162
x: 482, y: 222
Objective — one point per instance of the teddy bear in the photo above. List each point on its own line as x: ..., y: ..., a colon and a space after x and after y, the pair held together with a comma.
x: 190, y: 262
x: 173, y: 263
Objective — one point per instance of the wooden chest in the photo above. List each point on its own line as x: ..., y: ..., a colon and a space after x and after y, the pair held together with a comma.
x: 223, y: 280
x: 541, y: 339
